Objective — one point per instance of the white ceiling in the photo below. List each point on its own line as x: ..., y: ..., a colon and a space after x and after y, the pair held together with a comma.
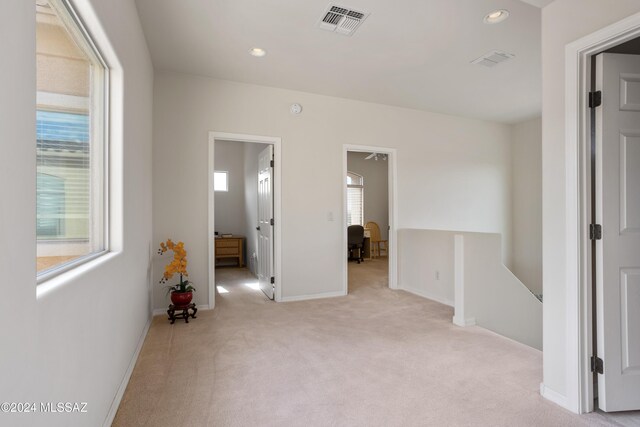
x: 538, y: 3
x: 409, y: 53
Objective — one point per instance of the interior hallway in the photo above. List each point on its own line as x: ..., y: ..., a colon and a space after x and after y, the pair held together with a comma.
x: 376, y: 357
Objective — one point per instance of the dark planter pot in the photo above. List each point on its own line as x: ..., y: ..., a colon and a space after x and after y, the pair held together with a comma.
x: 181, y: 298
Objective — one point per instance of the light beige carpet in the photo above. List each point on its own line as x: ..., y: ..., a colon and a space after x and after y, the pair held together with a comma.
x: 376, y: 357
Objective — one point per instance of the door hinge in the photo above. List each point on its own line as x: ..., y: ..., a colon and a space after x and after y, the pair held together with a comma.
x: 271, y: 222
x: 273, y: 280
x: 597, y: 365
x: 595, y: 99
x: 595, y: 232
x: 271, y: 163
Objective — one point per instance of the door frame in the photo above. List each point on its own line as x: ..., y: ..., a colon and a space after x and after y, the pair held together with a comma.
x: 579, y: 379
x: 277, y: 205
x: 393, y: 213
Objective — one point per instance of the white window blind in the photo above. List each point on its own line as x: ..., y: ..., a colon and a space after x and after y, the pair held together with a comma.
x: 355, y: 199
x: 354, y: 205
x: 64, y: 179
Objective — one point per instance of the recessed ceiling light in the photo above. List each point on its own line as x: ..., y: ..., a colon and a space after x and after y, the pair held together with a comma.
x: 256, y: 51
x: 496, y: 16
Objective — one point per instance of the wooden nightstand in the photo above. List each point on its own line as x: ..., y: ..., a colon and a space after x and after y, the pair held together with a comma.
x: 230, y: 247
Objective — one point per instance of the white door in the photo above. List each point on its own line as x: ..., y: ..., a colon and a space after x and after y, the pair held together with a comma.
x: 618, y: 211
x: 265, y: 221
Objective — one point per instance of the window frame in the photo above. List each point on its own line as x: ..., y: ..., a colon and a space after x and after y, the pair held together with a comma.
x: 226, y: 173
x: 102, y: 87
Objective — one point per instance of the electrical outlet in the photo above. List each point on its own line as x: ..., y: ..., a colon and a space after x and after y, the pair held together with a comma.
x: 329, y: 216
x: 437, y: 275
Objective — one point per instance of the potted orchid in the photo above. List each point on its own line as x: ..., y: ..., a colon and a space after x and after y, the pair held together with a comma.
x: 182, y: 292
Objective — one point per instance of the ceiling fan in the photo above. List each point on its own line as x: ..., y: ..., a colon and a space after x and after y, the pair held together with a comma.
x: 375, y: 156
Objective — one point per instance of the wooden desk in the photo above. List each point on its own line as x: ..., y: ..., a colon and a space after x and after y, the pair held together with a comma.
x: 230, y: 247
x: 367, y: 248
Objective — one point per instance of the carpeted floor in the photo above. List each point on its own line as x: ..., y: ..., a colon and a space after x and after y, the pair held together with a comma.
x: 376, y: 357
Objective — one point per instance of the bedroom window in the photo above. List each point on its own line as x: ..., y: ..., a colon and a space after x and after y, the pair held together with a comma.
x: 71, y: 144
x: 355, y: 199
x: 221, y: 181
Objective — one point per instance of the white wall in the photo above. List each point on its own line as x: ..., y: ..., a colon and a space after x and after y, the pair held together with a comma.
x: 74, y: 342
x: 526, y: 203
x: 563, y: 21
x: 425, y: 264
x: 376, y: 188
x: 18, y: 313
x: 453, y: 173
x: 230, y: 215
x: 491, y: 294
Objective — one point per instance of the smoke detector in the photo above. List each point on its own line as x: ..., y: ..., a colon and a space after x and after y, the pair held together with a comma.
x: 493, y: 58
x: 295, y: 109
x: 341, y: 20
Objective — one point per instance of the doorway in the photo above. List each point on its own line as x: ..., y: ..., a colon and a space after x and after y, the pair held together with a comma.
x: 603, y: 140
x: 242, y: 168
x: 369, y: 202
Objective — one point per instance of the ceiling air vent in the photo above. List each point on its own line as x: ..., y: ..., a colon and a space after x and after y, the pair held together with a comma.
x: 341, y: 20
x: 493, y: 58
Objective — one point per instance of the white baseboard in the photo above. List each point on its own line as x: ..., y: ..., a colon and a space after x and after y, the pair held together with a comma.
x: 469, y: 321
x: 314, y: 296
x: 125, y: 380
x: 163, y: 311
x: 553, y: 396
x: 427, y: 295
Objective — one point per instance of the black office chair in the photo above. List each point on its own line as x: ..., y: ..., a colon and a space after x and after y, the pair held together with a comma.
x: 355, y: 240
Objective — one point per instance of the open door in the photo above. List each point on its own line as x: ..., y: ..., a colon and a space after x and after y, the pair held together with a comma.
x: 617, y: 211
x: 265, y: 222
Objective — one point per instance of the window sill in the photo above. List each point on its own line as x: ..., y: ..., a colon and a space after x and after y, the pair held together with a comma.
x: 48, y: 284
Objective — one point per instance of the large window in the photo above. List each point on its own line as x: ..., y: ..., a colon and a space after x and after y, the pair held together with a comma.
x: 355, y: 199
x: 70, y: 140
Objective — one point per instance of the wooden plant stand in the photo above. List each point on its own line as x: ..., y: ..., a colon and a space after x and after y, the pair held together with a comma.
x: 181, y: 312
